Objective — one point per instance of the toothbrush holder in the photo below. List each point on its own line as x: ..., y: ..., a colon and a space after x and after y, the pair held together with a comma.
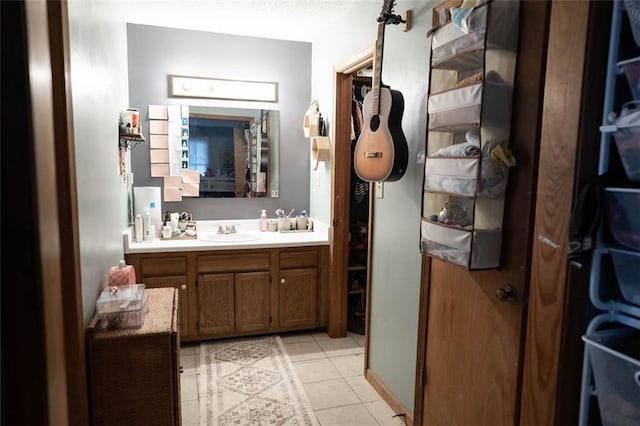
x: 284, y: 224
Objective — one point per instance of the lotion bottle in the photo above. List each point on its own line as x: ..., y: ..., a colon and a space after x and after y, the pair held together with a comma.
x: 263, y: 221
x: 146, y: 224
x: 138, y: 228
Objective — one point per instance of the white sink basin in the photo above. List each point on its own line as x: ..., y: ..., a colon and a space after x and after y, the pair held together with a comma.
x: 214, y: 237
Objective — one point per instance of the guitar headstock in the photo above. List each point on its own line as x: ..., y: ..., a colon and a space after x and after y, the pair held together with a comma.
x: 387, y: 16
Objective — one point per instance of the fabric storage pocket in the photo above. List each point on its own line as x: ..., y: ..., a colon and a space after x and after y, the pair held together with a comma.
x: 451, y: 41
x: 486, y: 248
x: 457, y: 176
x: 496, y: 111
x: 456, y: 109
x: 449, y: 244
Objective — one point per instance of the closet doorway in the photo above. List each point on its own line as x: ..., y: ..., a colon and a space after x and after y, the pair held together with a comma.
x: 351, y: 230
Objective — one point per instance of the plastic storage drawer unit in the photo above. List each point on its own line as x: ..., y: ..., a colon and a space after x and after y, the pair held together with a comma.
x: 615, y: 361
x: 627, y: 267
x: 623, y: 205
x: 628, y: 143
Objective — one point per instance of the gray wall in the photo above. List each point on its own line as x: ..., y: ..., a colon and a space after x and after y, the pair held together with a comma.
x: 99, y: 92
x: 396, y: 259
x: 155, y: 52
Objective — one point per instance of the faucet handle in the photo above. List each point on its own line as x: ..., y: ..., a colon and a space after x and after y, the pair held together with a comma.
x: 232, y: 230
x: 220, y: 230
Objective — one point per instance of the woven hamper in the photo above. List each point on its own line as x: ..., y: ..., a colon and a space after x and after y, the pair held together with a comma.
x: 134, y: 373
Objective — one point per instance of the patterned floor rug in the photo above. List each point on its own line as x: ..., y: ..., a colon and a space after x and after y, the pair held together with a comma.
x: 250, y: 382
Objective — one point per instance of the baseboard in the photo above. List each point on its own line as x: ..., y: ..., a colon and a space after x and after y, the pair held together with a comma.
x: 389, y: 397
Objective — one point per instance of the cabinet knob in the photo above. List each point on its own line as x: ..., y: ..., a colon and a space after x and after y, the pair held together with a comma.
x: 183, y: 286
x: 507, y: 294
x: 283, y: 281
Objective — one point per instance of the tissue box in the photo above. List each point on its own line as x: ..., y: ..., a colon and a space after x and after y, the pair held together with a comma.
x: 122, y: 275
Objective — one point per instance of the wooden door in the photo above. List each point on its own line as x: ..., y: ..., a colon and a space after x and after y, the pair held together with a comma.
x: 253, y: 301
x: 179, y: 282
x: 297, y: 298
x: 341, y: 164
x: 216, y: 313
x: 43, y: 348
x: 472, y: 349
x: 470, y: 345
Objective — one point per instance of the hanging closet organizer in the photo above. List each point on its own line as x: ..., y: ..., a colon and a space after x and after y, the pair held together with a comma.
x: 469, y: 115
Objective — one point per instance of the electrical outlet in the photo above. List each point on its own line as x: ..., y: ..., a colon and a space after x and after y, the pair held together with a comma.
x: 274, y: 193
x: 379, y: 189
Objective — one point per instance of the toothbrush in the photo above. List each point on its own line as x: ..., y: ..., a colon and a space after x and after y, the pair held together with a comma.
x: 291, y: 212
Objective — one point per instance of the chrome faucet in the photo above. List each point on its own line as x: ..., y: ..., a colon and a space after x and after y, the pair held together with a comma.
x: 229, y: 229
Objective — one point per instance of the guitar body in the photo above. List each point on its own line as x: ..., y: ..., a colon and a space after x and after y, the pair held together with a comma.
x: 381, y: 152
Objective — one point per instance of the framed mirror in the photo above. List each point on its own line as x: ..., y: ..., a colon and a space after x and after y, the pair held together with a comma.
x: 234, y: 150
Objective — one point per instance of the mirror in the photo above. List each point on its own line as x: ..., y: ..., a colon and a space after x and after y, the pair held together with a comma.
x: 234, y: 150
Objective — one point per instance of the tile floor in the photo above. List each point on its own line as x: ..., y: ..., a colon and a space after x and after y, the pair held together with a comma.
x: 331, y: 372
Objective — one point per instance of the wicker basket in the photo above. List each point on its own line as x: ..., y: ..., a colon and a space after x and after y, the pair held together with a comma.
x: 133, y: 373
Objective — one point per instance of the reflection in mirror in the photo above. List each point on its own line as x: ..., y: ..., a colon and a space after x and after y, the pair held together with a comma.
x: 234, y: 150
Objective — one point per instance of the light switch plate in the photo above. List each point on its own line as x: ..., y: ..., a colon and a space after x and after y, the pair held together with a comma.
x: 274, y: 193
x: 379, y: 189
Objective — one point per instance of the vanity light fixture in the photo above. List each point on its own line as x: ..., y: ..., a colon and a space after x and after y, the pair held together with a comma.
x: 213, y: 88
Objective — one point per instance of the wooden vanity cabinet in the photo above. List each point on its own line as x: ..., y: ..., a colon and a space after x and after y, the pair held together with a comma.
x: 298, y: 289
x: 233, y: 293
x: 227, y: 293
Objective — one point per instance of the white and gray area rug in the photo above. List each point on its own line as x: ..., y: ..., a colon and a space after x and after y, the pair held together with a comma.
x: 250, y: 382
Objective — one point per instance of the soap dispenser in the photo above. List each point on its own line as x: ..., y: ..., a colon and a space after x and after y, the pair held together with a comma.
x: 263, y: 221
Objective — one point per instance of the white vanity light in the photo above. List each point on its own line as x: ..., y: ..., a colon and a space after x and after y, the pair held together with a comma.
x: 200, y: 87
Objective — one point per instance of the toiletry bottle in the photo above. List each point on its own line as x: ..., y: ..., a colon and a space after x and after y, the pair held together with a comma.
x: 146, y: 224
x: 263, y: 221
x: 137, y: 227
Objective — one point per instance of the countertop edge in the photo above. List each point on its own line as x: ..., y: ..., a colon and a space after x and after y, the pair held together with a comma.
x: 319, y: 237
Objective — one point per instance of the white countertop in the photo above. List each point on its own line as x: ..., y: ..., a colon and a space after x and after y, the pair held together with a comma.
x: 249, y: 227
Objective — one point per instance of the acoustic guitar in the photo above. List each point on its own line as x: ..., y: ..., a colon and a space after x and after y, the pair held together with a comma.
x: 381, y: 152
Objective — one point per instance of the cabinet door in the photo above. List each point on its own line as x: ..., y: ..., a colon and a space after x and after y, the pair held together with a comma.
x: 252, y: 301
x: 179, y: 282
x: 216, y: 303
x: 297, y: 298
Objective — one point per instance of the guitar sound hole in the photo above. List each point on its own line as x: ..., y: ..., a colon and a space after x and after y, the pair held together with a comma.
x: 375, y: 123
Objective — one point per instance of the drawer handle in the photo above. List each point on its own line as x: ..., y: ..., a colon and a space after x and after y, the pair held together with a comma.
x: 283, y: 281
x: 183, y: 286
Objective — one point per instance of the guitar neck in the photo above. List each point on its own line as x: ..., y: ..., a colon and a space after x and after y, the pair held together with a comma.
x: 377, y: 70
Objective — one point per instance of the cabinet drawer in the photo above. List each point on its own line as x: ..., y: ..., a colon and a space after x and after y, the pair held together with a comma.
x: 163, y: 266
x: 298, y: 259
x: 233, y: 262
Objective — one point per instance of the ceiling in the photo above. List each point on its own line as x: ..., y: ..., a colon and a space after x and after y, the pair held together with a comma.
x: 300, y: 20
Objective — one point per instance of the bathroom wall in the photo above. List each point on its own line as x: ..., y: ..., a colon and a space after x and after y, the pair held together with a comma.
x: 155, y: 52
x: 99, y: 92
x: 396, y: 258
x: 99, y: 79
